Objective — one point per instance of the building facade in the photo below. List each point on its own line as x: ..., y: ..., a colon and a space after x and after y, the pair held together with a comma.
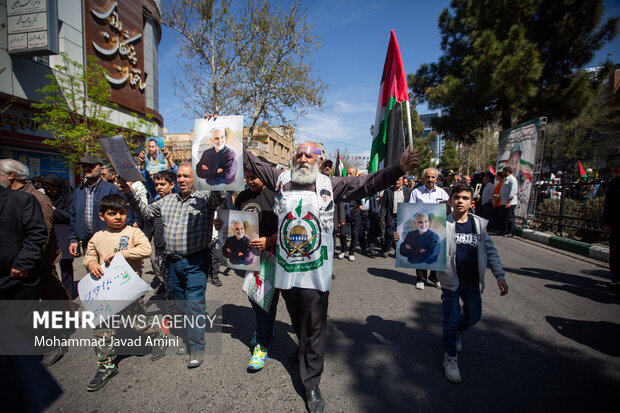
x: 276, y: 144
x: 122, y: 36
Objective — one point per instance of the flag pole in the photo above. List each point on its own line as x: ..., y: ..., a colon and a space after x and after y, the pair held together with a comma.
x: 409, y: 137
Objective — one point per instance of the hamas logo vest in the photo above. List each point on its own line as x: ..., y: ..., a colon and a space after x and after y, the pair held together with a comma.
x: 299, y: 236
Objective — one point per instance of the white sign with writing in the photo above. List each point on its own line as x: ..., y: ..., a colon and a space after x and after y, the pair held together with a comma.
x: 118, y: 153
x: 119, y: 286
x: 18, y: 41
x: 14, y: 7
x: 27, y: 23
x: 37, y: 39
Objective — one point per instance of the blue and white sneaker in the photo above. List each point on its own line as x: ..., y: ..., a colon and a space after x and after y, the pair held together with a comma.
x: 257, y: 362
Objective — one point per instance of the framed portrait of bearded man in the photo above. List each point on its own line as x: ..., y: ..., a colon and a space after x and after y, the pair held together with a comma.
x: 217, y: 154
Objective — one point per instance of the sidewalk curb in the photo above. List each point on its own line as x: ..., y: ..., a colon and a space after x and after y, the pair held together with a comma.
x: 577, y: 247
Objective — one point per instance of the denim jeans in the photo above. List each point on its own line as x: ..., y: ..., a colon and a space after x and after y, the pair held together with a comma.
x: 510, y: 219
x: 187, y: 278
x: 453, y: 320
x: 265, y: 321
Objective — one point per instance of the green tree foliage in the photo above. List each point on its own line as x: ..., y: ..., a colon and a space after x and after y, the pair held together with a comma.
x: 512, y: 60
x: 588, y: 137
x: 75, y: 109
x: 252, y: 61
x: 449, y: 159
x: 482, y: 152
x: 417, y: 126
x: 424, y: 155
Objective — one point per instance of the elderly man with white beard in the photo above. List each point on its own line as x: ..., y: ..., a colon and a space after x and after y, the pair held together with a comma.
x: 217, y: 164
x: 304, y: 244
x: 237, y: 249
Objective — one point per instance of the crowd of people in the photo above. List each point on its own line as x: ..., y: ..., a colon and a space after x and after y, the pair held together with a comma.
x: 167, y: 221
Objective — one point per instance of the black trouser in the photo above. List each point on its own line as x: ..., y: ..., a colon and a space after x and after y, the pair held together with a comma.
x: 390, y: 227
x: 509, y: 219
x: 364, y: 236
x: 66, y: 275
x: 356, y: 227
x: 422, y: 276
x: 486, y: 211
x: 19, y: 314
x: 216, y: 255
x: 308, y: 311
x: 342, y: 234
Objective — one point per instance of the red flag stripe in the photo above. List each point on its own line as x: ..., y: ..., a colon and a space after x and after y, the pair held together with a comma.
x: 394, y: 79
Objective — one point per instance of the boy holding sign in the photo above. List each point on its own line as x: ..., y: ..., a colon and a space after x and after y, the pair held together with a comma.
x: 131, y: 242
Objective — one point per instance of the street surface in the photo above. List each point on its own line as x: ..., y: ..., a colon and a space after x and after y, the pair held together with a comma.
x: 551, y: 344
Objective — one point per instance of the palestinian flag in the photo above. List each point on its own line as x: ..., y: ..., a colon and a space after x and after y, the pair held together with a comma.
x: 389, y: 137
x: 582, y: 172
x: 339, y: 169
x: 491, y: 170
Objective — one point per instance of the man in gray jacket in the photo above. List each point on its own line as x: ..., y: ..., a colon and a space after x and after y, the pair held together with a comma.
x: 469, y: 252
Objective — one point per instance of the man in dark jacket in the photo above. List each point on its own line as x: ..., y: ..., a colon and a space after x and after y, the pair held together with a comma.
x: 421, y: 246
x: 237, y: 248
x: 23, y: 235
x: 392, y: 196
x: 84, y: 209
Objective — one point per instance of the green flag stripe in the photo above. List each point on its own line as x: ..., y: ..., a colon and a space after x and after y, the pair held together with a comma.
x: 379, y: 143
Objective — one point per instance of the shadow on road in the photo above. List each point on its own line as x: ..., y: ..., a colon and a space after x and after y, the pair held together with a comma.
x: 601, y: 336
x: 397, y: 276
x: 580, y: 285
x: 398, y: 368
x: 240, y: 323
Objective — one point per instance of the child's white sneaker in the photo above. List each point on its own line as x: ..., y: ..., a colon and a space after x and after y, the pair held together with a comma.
x: 451, y: 369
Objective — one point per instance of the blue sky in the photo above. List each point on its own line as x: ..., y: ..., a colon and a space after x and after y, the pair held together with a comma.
x: 355, y: 37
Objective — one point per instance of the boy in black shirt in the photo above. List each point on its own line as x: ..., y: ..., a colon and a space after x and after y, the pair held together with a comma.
x: 258, y: 198
x: 470, y: 251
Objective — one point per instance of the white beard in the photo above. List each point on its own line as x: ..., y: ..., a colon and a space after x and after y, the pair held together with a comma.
x: 305, y: 175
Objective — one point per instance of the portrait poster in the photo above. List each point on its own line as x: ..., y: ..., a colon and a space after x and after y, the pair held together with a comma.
x: 154, y: 159
x: 477, y: 190
x: 217, y: 154
x: 517, y: 149
x: 238, y: 229
x: 422, y: 230
x: 118, y: 153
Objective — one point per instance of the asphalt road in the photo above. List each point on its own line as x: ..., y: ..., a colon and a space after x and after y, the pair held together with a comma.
x: 551, y: 344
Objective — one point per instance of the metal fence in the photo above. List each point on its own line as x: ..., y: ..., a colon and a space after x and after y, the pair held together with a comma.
x: 573, y: 209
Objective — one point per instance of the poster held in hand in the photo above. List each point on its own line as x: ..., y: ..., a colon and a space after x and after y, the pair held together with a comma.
x: 238, y: 229
x: 118, y: 153
x: 217, y: 154
x: 422, y: 231
x: 118, y: 287
x: 154, y: 159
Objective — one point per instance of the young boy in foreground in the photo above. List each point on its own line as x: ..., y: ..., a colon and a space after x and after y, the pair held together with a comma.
x: 469, y: 252
x: 119, y: 238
